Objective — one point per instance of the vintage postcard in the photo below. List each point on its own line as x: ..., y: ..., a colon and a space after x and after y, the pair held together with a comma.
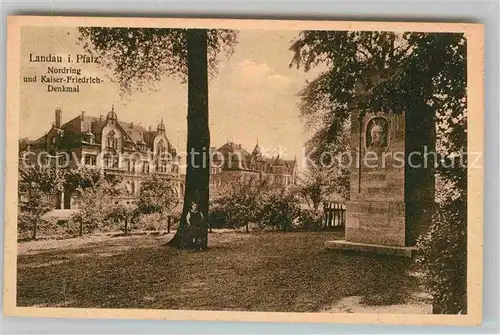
x: 244, y: 170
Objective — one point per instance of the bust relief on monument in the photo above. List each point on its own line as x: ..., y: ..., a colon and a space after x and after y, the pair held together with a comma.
x: 377, y: 134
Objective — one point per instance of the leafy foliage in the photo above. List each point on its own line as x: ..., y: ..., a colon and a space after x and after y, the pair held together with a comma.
x: 37, y: 188
x: 310, y: 220
x: 255, y: 201
x: 140, y: 57
x: 157, y: 195
x: 24, y: 143
x: 381, y: 71
x: 123, y: 213
x: 444, y: 259
x: 45, y: 178
x: 152, y: 222
x: 318, y: 183
x: 81, y: 177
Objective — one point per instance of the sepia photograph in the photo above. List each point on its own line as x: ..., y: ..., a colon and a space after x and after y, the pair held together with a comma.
x: 195, y: 169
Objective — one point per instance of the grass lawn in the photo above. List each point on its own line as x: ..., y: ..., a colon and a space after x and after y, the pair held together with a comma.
x: 288, y: 272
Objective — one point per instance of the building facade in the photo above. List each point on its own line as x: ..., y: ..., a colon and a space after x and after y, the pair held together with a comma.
x: 120, y: 148
x: 231, y: 162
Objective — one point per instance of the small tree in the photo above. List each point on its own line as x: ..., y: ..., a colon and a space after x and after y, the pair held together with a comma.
x: 158, y: 195
x: 318, y: 182
x: 37, y: 189
x: 24, y: 143
x: 83, y: 177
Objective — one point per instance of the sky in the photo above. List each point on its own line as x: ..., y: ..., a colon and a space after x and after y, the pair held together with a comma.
x: 253, y: 97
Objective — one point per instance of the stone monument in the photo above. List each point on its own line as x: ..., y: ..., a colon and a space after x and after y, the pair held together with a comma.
x: 391, y: 181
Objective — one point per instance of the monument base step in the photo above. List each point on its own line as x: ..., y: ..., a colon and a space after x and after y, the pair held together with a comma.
x: 373, y: 248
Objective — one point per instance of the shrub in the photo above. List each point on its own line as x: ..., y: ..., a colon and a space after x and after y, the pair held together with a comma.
x: 95, y: 204
x: 236, y: 204
x: 123, y: 215
x: 278, y: 210
x: 37, y: 188
x: 157, y: 195
x: 24, y: 225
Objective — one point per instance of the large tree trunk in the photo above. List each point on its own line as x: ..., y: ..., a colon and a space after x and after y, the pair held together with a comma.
x: 198, y: 137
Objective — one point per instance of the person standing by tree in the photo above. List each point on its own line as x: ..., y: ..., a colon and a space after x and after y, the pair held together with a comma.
x: 139, y: 58
x: 196, y: 222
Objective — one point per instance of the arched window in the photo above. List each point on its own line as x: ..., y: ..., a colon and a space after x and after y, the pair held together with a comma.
x: 112, y: 141
x: 160, y: 148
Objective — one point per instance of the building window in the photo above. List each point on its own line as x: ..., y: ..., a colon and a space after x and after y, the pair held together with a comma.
x: 110, y: 142
x: 130, y: 186
x: 128, y: 144
x: 145, y: 167
x: 160, y: 148
x: 61, y: 159
x: 129, y: 165
x: 90, y: 159
x: 111, y: 162
x: 162, y: 166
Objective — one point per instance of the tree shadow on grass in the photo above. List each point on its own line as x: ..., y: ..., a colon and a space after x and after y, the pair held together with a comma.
x: 278, y: 272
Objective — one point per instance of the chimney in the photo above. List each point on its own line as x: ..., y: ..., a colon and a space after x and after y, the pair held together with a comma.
x: 131, y: 125
x: 101, y: 117
x: 149, y: 128
x: 83, y: 114
x: 57, y: 123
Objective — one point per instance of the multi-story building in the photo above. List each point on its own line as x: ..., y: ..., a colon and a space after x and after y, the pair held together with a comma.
x: 231, y: 162
x: 120, y: 148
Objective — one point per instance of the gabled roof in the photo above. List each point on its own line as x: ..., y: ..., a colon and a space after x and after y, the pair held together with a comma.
x: 135, y: 133
x: 232, y: 148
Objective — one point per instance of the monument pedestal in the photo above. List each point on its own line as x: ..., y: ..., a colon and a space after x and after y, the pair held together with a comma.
x: 391, y: 190
x: 343, y: 245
